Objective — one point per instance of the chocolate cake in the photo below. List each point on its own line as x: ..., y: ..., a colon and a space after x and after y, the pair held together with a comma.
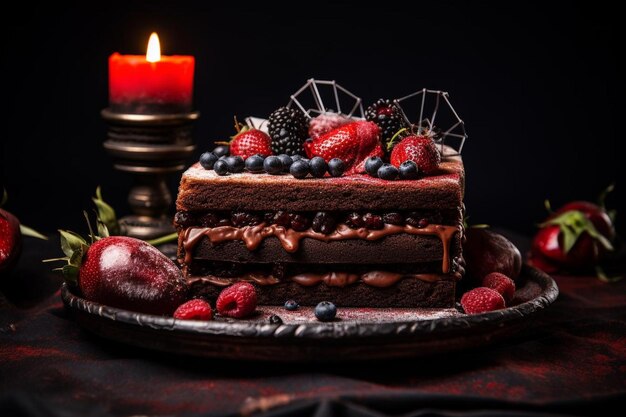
x: 241, y: 227
x: 315, y: 205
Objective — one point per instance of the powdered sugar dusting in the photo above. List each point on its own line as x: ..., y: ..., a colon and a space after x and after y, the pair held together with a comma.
x: 354, y: 314
x: 113, y: 256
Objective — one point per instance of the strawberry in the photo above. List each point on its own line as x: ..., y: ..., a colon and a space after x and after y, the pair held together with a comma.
x: 576, y: 236
x: 122, y: 272
x: 481, y: 300
x: 10, y: 240
x: 11, y: 232
x: 420, y: 149
x: 237, y: 301
x: 326, y: 122
x: 353, y: 143
x: 250, y: 142
x: 196, y: 309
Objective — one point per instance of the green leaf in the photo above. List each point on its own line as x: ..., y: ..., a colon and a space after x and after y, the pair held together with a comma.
x: 172, y: 237
x: 5, y: 197
x: 103, y: 230
x: 106, y: 213
x: 27, y: 231
x: 602, y: 197
x: 77, y: 257
x: 65, y: 258
x: 70, y: 273
x: 569, y: 238
x: 602, y: 276
x: 71, y: 242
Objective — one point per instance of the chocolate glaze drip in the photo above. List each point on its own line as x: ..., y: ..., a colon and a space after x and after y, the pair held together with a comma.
x: 252, y: 236
x: 380, y: 279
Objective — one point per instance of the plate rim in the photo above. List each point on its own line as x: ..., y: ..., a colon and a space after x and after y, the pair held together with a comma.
x: 322, y: 330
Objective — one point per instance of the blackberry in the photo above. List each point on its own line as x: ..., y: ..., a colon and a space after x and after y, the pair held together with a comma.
x: 281, y: 218
x: 388, y: 116
x: 355, y: 221
x: 184, y: 219
x: 242, y: 218
x: 288, y: 128
x: 299, y: 222
x: 373, y: 221
x: 393, y: 218
x: 324, y: 222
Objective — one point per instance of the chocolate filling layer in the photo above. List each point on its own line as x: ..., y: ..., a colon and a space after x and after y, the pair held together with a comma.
x: 252, y: 236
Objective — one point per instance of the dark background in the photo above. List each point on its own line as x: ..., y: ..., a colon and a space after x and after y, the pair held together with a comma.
x: 540, y: 87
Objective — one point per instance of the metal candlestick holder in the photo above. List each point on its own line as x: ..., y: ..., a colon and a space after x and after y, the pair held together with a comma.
x: 150, y: 147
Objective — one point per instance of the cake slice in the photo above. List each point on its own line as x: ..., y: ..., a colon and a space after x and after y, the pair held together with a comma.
x: 354, y: 240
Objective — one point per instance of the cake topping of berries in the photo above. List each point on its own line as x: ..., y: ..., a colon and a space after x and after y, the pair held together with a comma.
x: 324, y: 222
x: 501, y: 283
x: 208, y: 159
x: 417, y: 148
x: 222, y: 150
x: 388, y: 116
x: 237, y: 301
x: 254, y: 163
x: 336, y: 167
x: 291, y: 305
x: 250, y: 142
x: 318, y: 166
x: 326, y: 122
x: 299, y: 169
x: 196, y: 309
x: 273, y: 165
x: 481, y: 300
x: 288, y: 129
x: 353, y: 143
x: 387, y: 172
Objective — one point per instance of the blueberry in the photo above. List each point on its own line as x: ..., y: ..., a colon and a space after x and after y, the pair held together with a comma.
x: 254, y: 163
x: 409, y: 170
x: 299, y: 169
x: 336, y: 167
x: 291, y: 305
x: 325, y: 311
x: 286, y: 161
x: 387, y: 172
x: 274, y: 319
x: 296, y: 157
x: 272, y: 165
x: 207, y: 160
x: 222, y: 150
x: 235, y: 164
x: 318, y: 166
x: 220, y: 167
x: 372, y: 165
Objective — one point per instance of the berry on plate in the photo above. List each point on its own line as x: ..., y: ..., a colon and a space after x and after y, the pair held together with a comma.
x: 325, y: 311
x: 196, y: 309
x: 122, y: 272
x: 481, y: 300
x: 237, y: 301
x: 501, y: 283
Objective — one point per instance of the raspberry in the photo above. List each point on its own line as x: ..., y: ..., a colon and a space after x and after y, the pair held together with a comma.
x: 197, y: 309
x: 501, y: 283
x: 481, y: 300
x: 238, y: 300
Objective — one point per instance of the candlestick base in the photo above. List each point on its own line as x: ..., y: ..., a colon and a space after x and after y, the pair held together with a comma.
x: 149, y: 147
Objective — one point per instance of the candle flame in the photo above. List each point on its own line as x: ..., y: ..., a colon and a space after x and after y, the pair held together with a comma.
x: 154, y: 48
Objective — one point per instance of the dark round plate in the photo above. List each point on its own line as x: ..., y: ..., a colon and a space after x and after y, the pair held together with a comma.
x: 357, y: 334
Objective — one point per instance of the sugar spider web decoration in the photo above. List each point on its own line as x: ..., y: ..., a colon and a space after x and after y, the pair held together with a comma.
x: 430, y: 109
x: 323, y: 95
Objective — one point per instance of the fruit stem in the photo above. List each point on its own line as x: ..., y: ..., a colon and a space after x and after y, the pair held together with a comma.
x: 163, y: 239
x: 603, y: 194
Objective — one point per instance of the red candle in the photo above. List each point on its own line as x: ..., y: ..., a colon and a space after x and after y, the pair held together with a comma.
x: 151, y: 84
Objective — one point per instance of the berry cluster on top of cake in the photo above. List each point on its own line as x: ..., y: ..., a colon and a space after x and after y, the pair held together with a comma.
x: 314, y: 204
